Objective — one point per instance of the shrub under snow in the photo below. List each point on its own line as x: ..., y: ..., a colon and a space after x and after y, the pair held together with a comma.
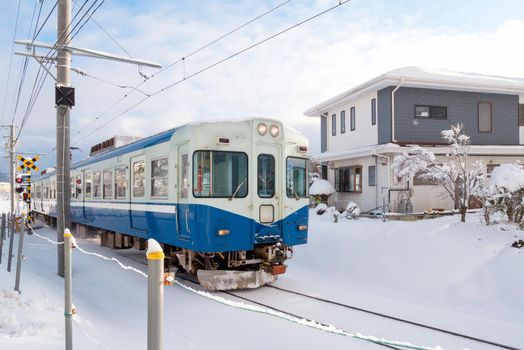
x: 352, y: 210
x: 321, y: 208
x: 506, y: 193
x: 321, y: 190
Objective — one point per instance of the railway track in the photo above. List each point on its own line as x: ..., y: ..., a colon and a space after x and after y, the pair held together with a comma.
x: 394, y: 318
x: 238, y: 294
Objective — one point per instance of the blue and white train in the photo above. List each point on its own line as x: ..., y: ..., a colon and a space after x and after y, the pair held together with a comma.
x: 228, y: 200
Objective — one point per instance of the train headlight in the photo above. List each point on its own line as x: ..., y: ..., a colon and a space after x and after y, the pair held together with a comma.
x: 262, y: 129
x: 274, y: 130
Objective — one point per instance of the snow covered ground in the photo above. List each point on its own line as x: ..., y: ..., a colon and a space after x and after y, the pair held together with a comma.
x: 461, y: 277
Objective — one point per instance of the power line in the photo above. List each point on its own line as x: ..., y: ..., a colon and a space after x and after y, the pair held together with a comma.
x: 188, y: 56
x: 10, y: 60
x: 212, y: 66
x: 30, y: 106
x: 109, y: 35
x: 23, y: 68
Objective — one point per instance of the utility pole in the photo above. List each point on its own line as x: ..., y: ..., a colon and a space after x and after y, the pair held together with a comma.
x: 64, y: 100
x: 12, y: 166
x: 63, y: 79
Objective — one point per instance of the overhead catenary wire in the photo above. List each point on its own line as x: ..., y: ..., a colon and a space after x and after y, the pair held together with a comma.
x: 169, y: 86
x: 10, y: 60
x: 23, y: 68
x: 41, y: 75
x: 55, y: 48
x: 185, y: 57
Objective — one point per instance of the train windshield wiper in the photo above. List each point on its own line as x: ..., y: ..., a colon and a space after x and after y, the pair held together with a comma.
x: 238, y: 188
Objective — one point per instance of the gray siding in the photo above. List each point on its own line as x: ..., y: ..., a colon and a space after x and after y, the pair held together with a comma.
x: 323, y: 133
x: 384, y: 115
x: 462, y: 107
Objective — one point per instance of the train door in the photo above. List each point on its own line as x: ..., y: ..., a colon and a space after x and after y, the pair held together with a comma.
x: 267, y: 204
x: 137, y: 206
x: 183, y: 208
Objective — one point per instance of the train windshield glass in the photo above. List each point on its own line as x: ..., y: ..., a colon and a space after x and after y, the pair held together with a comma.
x: 296, y: 177
x: 219, y: 174
x: 266, y: 176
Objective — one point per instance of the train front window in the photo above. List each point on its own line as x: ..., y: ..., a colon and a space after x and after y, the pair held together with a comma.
x: 219, y: 174
x: 296, y: 177
x: 266, y: 176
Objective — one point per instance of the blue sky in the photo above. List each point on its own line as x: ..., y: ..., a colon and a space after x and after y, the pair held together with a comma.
x: 280, y: 78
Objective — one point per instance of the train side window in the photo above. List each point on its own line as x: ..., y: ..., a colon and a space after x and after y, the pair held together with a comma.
x: 266, y: 176
x: 296, y: 177
x: 78, y: 187
x: 139, y: 178
x: 108, y: 183
x: 97, y: 182
x: 120, y: 182
x: 159, y: 177
x: 184, y: 181
x: 88, y: 182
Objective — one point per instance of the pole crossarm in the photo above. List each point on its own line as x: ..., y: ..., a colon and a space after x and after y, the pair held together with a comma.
x: 77, y: 51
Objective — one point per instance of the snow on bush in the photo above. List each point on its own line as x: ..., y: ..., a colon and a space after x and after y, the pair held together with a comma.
x: 352, y: 210
x: 335, y: 213
x: 321, y: 190
x: 506, y: 193
x: 509, y: 177
x: 321, y: 208
x: 321, y: 187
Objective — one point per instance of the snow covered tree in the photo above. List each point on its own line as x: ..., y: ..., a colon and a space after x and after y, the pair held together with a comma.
x: 460, y: 180
x: 321, y: 190
x: 506, y: 193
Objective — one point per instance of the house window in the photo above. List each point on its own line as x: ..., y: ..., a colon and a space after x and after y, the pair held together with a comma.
x: 333, y: 124
x: 342, y: 122
x: 521, y: 115
x: 348, y: 179
x: 373, y: 111
x: 159, y: 177
x: 433, y: 112
x: 485, y: 116
x: 372, y: 175
x: 352, y: 117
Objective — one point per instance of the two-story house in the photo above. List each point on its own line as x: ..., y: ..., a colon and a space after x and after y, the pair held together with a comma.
x: 364, y: 128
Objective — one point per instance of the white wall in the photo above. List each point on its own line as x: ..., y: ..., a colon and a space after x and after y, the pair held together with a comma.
x: 364, y: 134
x: 521, y: 135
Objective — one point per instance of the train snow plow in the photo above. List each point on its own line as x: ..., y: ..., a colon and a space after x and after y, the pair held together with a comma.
x: 226, y: 279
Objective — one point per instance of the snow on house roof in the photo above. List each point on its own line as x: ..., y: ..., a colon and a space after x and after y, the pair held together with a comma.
x: 425, y: 77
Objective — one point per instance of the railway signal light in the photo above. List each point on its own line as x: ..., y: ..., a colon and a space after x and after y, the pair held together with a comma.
x: 19, y: 189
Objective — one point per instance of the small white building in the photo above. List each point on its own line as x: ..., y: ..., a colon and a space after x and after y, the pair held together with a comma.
x: 364, y: 128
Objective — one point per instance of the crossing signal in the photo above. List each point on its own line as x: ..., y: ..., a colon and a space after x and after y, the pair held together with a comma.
x: 19, y: 189
x: 19, y: 180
